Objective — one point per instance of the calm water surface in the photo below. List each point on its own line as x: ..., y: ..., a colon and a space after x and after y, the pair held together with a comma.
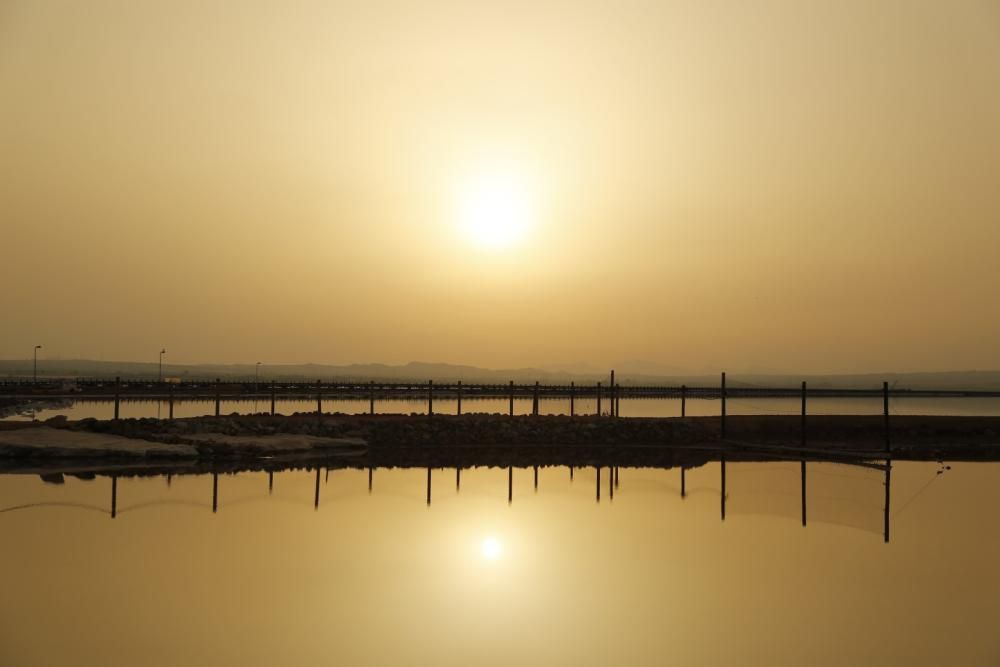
x: 647, y: 407
x: 552, y: 578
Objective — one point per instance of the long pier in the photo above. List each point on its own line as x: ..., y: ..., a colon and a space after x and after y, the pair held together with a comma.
x: 131, y: 389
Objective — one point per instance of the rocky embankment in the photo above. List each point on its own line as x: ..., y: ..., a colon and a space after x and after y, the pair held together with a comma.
x: 446, y: 440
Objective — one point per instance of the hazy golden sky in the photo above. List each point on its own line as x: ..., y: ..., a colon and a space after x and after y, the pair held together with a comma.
x: 809, y: 186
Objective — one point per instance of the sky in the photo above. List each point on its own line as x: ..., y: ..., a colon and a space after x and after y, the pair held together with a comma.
x: 771, y: 186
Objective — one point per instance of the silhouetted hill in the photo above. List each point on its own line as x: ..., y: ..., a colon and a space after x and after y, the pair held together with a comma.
x: 423, y: 371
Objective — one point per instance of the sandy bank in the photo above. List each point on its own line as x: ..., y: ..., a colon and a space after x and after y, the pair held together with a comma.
x: 62, y: 443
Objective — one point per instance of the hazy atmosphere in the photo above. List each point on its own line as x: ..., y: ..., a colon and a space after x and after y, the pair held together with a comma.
x: 779, y: 186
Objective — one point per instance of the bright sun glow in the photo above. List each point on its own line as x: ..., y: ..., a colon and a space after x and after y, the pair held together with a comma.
x: 491, y: 548
x: 495, y: 212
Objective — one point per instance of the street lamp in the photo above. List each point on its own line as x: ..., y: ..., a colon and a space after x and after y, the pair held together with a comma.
x: 34, y: 372
x: 160, y: 376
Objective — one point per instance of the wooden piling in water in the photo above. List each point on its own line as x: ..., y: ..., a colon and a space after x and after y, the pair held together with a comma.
x: 571, y: 473
x: 684, y: 391
x: 430, y: 398
x: 170, y: 402
x: 598, y: 469
x: 723, y: 396
x: 511, y: 398
x: 611, y: 392
x: 316, y: 492
x: 536, y: 478
x: 118, y: 392
x: 218, y: 399
x: 510, y: 484
x: 598, y: 399
x: 534, y: 401
x: 618, y: 400
x: 319, y: 398
x: 572, y: 399
x: 428, y: 487
x: 885, y: 413
x: 458, y: 479
x: 803, y: 413
x: 272, y: 397
x: 616, y: 476
x: 270, y: 482
x: 683, y: 484
x: 370, y: 475
x: 611, y: 483
x: 371, y: 397
x: 215, y: 492
x: 458, y: 409
x: 114, y: 496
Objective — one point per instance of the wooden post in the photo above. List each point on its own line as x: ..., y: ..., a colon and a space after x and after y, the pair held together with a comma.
x: 572, y: 399
x: 218, y: 389
x: 618, y: 400
x: 684, y: 391
x: 430, y: 398
x: 723, y: 468
x: 723, y: 396
x: 511, y: 398
x: 616, y: 476
x: 270, y: 482
x: 534, y: 401
x: 803, y: 413
x: 611, y: 483
x: 371, y: 397
x: 598, y: 399
x: 370, y: 474
x: 118, y: 390
x: 272, y: 398
x: 114, y: 496
x: 428, y: 487
x: 458, y: 410
x: 316, y: 492
x: 885, y: 412
x: 611, y: 393
x: 171, y: 401
x: 510, y: 484
x: 458, y: 479
x: 536, y: 478
x: 683, y: 484
x: 598, y: 469
x: 319, y: 399
x: 571, y: 473
x: 215, y: 492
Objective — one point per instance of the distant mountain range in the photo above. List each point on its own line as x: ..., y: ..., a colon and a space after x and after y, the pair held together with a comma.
x: 626, y: 373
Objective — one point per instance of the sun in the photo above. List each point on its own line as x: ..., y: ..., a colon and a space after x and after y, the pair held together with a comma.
x: 491, y: 548
x: 495, y: 212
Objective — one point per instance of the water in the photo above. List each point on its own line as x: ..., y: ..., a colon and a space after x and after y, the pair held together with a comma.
x: 639, y: 407
x: 552, y: 578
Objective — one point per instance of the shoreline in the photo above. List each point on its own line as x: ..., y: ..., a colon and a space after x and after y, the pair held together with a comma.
x: 335, y: 440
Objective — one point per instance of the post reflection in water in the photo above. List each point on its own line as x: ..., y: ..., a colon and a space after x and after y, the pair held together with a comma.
x: 744, y: 502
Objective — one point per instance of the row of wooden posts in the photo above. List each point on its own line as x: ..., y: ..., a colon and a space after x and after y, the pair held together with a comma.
x: 613, y: 395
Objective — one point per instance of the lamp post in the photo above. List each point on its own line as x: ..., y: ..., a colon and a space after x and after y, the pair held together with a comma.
x: 159, y: 377
x: 34, y: 366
